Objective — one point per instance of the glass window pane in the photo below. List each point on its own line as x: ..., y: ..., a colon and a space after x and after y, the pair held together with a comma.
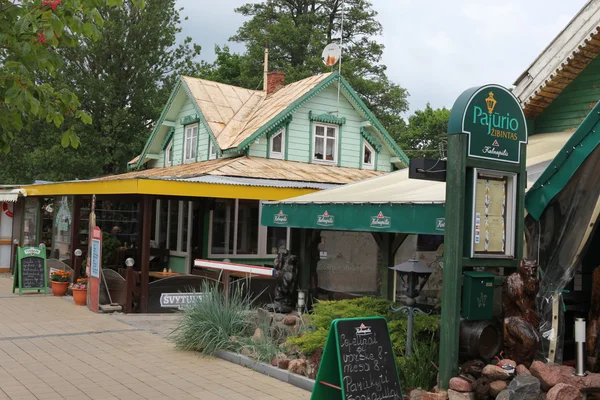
x: 184, y: 228
x: 61, y: 244
x: 330, y: 150
x: 368, y: 156
x: 173, y: 224
x: 319, y: 148
x: 31, y: 222
x: 276, y: 237
x: 320, y: 130
x: 164, y: 216
x: 222, y: 227
x: 330, y: 132
x: 276, y: 143
x: 247, y: 227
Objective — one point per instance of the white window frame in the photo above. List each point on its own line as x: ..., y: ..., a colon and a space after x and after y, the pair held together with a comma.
x: 370, y: 165
x: 212, y: 150
x: 190, y: 140
x: 277, y: 154
x: 168, y: 154
x: 325, y: 139
x: 262, y: 237
x: 179, y: 222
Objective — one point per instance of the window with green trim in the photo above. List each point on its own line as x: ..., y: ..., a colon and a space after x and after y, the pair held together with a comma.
x: 169, y: 154
x: 190, y: 144
x: 325, y: 139
x: 368, y: 155
x: 277, y: 144
x: 213, y: 151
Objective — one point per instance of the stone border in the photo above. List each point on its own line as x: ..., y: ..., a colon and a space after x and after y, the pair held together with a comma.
x: 283, y: 375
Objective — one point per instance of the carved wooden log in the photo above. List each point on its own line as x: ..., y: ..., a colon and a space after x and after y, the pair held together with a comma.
x: 593, y: 325
x: 521, y: 321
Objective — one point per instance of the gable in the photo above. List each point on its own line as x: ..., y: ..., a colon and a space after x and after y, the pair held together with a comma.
x: 573, y: 104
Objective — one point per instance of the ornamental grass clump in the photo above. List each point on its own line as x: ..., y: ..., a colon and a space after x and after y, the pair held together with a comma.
x: 212, y: 323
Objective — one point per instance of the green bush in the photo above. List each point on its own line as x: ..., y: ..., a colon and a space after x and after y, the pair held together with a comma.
x: 419, y: 370
x: 209, y: 324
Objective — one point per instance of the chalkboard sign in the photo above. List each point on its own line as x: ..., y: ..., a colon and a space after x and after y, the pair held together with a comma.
x: 358, y: 362
x: 31, y: 273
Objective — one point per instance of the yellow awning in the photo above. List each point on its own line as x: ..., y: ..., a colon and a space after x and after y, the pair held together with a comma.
x: 166, y: 188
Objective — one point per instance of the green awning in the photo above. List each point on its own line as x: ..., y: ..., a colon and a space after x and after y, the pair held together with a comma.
x: 371, y: 217
x: 580, y: 145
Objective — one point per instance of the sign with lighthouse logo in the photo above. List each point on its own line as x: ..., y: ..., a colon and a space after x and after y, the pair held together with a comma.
x: 381, y: 221
x: 494, y: 120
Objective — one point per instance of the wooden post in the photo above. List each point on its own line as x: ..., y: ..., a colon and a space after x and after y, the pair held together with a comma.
x: 129, y: 288
x: 145, y: 251
x: 453, y: 252
x: 304, y: 259
x: 225, y: 281
x: 385, y: 260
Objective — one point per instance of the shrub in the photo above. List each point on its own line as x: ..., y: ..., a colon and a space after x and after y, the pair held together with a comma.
x: 419, y: 370
x: 210, y: 322
x: 263, y: 347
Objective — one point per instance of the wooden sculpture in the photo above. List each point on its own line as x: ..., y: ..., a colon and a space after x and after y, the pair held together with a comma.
x: 593, y: 325
x: 521, y: 320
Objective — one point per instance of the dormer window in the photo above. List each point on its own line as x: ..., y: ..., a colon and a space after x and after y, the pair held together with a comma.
x: 190, y: 144
x: 277, y: 144
x: 169, y: 154
x: 368, y: 154
x: 213, y: 151
x: 325, y: 143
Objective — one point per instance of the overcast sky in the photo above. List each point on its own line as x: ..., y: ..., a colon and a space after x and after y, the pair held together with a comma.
x: 434, y: 48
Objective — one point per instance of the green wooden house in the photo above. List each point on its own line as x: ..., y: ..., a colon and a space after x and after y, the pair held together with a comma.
x: 215, y: 153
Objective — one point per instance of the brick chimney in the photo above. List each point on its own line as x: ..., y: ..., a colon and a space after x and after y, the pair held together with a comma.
x: 275, y: 81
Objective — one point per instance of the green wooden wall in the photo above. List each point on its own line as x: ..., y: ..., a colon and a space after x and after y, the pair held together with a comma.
x: 299, y: 132
x: 177, y: 264
x: 299, y: 135
x: 569, y: 109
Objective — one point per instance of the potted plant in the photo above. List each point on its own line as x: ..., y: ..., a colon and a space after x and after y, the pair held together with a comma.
x: 60, y: 282
x: 79, y: 290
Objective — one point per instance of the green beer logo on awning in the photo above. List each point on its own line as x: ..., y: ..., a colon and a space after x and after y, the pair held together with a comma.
x: 381, y: 221
x: 325, y: 219
x: 280, y: 218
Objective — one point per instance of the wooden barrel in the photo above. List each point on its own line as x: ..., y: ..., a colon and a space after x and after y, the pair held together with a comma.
x: 479, y: 339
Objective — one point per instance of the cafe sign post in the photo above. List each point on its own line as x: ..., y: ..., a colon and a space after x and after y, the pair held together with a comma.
x: 485, y: 192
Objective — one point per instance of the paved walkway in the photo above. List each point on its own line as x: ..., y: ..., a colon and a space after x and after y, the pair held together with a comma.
x: 51, y: 349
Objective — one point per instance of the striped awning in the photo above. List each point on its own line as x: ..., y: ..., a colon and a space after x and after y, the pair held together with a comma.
x: 11, y: 195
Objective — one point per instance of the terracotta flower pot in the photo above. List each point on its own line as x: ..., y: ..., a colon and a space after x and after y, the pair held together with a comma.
x: 59, y: 288
x: 80, y: 296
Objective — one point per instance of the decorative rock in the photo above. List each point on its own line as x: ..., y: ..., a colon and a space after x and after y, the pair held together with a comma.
x: 496, y: 387
x: 416, y: 394
x: 495, y: 373
x: 460, y: 385
x: 506, y: 361
x: 522, y: 370
x: 258, y: 335
x: 481, y: 387
x: 548, y: 375
x: 563, y: 391
x: 297, y: 366
x: 525, y: 387
x: 472, y: 368
x: 503, y: 395
x: 245, y: 351
x: 454, y: 395
x: 542, y: 396
x: 434, y: 396
x: 290, y: 320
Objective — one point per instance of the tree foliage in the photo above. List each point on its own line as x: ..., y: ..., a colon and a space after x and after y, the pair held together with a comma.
x: 296, y: 32
x: 123, y: 80
x: 30, y: 33
x: 426, y: 132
